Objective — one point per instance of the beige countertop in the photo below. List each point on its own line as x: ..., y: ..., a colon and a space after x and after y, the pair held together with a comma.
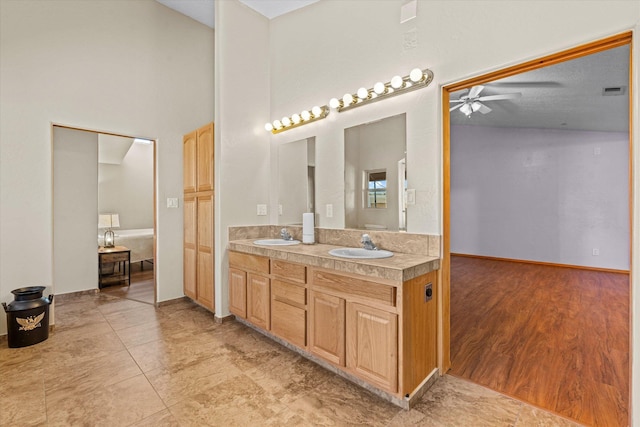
x: 400, y: 267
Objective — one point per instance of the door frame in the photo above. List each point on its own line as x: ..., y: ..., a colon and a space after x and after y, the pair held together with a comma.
x: 622, y: 39
x: 155, y: 177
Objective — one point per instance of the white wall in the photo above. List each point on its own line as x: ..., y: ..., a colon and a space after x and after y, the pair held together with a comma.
x: 131, y: 67
x: 541, y: 195
x: 127, y: 188
x: 242, y: 147
x: 75, y: 210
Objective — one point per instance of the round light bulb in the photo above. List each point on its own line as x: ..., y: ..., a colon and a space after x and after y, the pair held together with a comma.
x: 296, y: 119
x: 268, y: 127
x: 316, y: 111
x: 363, y: 93
x: 347, y: 99
x: 416, y: 75
x: 379, y: 88
x: 334, y: 103
x: 396, y: 82
x: 286, y: 121
x: 277, y: 124
x: 305, y: 115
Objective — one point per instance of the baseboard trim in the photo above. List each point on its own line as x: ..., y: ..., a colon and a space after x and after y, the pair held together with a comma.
x: 548, y: 264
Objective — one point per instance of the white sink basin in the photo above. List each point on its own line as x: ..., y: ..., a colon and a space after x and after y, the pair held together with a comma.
x: 360, y: 253
x: 276, y: 242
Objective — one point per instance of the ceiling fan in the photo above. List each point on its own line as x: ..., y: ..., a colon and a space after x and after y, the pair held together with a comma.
x: 472, y: 101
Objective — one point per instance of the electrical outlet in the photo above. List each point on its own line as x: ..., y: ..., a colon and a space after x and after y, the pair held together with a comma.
x: 329, y: 211
x: 595, y: 252
x: 428, y: 292
x: 262, y: 210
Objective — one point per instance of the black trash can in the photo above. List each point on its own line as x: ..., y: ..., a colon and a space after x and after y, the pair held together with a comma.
x: 28, y: 316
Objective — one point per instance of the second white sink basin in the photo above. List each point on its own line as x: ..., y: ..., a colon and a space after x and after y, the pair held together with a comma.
x: 360, y: 253
x: 276, y: 242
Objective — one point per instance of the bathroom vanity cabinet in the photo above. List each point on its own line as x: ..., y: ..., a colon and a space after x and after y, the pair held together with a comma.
x: 379, y: 331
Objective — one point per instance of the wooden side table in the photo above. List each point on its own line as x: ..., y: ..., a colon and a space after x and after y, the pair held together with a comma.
x: 114, y: 265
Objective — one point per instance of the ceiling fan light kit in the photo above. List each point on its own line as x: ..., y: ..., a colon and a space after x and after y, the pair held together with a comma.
x: 472, y: 102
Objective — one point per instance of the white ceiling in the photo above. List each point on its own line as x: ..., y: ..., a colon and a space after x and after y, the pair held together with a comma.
x: 203, y: 11
x: 563, y: 96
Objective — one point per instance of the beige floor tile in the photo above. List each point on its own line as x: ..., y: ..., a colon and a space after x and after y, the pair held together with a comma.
x: 199, y: 379
x: 91, y: 375
x: 533, y: 417
x: 163, y: 418
x: 237, y: 402
x: 452, y: 402
x: 119, y: 404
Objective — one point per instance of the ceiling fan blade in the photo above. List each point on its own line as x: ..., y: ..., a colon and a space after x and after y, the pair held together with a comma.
x: 455, y: 107
x: 475, y: 91
x: 484, y: 109
x: 498, y: 97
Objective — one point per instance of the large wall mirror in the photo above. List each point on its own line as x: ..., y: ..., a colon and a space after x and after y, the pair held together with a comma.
x: 296, y: 180
x: 375, y: 175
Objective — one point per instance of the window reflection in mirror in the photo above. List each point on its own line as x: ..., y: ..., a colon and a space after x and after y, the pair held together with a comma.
x: 375, y: 175
x: 296, y: 180
x: 376, y: 189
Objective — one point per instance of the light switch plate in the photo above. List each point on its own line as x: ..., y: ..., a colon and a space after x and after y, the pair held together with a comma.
x: 411, y: 196
x: 262, y: 210
x: 172, y: 202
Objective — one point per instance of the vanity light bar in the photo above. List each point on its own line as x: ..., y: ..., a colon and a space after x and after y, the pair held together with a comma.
x: 416, y: 79
x: 316, y: 113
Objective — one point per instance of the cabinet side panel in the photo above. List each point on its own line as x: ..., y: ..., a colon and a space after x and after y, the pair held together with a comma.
x: 419, y: 331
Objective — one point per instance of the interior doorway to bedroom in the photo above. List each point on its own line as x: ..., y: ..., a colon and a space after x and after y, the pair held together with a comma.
x: 103, y: 183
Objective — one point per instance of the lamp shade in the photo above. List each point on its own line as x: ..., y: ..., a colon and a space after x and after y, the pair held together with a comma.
x: 108, y: 221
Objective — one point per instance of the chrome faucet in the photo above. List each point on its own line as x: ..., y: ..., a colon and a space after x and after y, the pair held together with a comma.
x: 367, y: 243
x: 285, y: 234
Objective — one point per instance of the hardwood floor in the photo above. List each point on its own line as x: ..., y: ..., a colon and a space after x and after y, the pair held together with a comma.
x: 142, y: 285
x: 555, y: 337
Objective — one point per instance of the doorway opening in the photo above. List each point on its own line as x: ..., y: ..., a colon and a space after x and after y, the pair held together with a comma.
x: 104, y: 216
x: 603, y: 398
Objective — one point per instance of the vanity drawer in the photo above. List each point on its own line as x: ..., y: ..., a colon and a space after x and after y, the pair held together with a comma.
x: 347, y: 285
x: 289, y: 271
x: 289, y: 293
x: 249, y: 262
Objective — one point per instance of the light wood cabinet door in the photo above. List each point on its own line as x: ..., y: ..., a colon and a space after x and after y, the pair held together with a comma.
x: 372, y: 345
x: 190, y: 248
x: 205, y: 158
x: 327, y: 327
x: 189, y: 150
x: 238, y: 292
x: 258, y: 300
x: 205, y: 251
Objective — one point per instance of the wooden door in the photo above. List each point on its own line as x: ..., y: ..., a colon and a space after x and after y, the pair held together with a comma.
x: 205, y: 251
x: 189, y: 168
x: 238, y: 292
x: 327, y: 327
x: 205, y: 158
x: 190, y: 246
x: 372, y: 345
x: 258, y: 300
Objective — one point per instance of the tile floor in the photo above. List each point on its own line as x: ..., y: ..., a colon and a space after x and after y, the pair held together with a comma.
x: 117, y: 362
